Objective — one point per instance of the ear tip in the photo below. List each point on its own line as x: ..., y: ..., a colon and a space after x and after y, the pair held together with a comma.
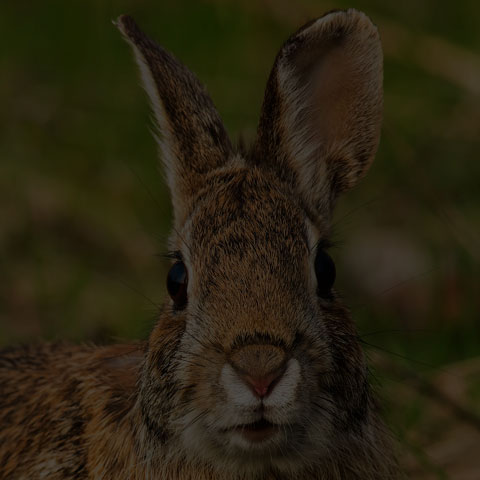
x: 352, y: 19
x: 126, y: 24
x: 363, y: 20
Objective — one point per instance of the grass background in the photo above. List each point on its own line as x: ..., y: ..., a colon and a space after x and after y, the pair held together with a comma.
x: 84, y: 210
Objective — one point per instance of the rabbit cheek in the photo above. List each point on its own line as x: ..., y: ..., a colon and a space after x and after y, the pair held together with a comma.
x: 345, y: 384
x: 159, y: 387
x: 199, y: 416
x: 197, y: 377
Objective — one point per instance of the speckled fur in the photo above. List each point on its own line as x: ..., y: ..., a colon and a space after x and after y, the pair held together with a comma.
x: 247, y: 227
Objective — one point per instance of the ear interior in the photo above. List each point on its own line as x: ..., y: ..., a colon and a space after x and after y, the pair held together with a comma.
x: 321, y: 124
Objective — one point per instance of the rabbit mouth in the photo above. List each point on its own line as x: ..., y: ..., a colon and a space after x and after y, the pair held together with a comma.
x: 257, y: 431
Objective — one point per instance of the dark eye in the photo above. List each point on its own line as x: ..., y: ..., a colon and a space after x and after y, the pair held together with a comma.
x: 325, y: 271
x: 177, y: 280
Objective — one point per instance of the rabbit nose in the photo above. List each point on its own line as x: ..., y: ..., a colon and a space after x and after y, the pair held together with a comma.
x: 260, y: 367
x: 261, y: 386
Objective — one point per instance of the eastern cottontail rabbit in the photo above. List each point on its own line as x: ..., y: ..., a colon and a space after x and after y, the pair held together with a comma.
x: 254, y: 369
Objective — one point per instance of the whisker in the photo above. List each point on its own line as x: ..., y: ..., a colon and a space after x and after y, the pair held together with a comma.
x: 393, y: 287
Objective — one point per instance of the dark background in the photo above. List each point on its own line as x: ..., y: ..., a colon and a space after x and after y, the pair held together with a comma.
x: 84, y: 212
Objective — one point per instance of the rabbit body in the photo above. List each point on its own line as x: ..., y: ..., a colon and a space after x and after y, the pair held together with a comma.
x: 254, y: 370
x: 61, y: 413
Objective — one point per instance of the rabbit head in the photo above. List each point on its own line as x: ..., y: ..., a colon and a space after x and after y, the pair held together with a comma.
x: 254, y: 363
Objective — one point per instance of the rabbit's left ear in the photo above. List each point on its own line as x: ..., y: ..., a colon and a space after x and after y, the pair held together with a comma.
x: 192, y: 138
x: 320, y: 121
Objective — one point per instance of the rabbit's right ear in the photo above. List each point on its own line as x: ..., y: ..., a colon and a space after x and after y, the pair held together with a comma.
x: 320, y: 122
x: 192, y: 138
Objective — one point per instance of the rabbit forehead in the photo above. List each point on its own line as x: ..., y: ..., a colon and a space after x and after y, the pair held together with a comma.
x: 246, y: 215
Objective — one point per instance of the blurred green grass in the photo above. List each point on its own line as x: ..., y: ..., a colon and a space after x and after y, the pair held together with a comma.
x: 84, y: 210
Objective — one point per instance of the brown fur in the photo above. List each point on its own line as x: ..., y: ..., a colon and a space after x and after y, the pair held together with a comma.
x: 247, y: 229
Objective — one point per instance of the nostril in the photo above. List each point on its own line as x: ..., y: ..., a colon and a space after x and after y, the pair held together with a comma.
x: 262, y: 385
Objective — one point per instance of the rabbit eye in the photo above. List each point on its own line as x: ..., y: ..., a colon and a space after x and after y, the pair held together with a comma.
x: 325, y: 272
x: 177, y: 280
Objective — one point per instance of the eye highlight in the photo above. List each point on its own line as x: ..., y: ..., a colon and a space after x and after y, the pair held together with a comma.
x: 325, y: 271
x: 177, y: 281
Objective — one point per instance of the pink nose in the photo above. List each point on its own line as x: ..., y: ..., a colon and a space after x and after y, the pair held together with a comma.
x: 261, y: 386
